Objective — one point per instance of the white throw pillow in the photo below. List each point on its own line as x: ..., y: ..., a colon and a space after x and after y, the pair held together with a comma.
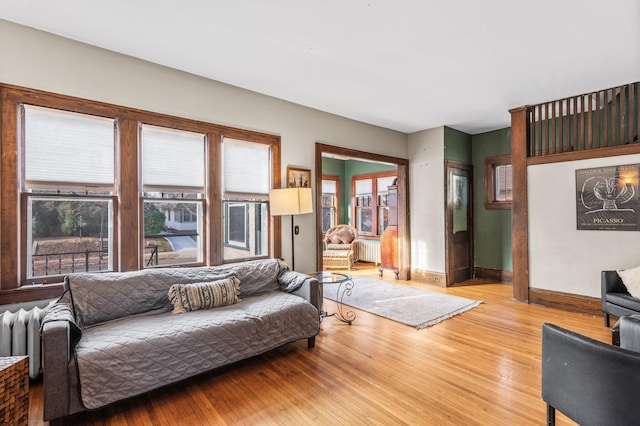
x: 631, y: 280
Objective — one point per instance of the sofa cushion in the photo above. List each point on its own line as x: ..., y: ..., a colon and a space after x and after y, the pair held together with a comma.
x: 195, y: 296
x: 100, y: 297
x: 631, y: 280
x: 340, y: 236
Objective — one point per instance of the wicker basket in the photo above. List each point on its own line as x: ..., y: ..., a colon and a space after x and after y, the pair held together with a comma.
x: 14, y: 390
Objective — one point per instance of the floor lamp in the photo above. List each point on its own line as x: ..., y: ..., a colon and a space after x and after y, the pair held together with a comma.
x: 290, y: 201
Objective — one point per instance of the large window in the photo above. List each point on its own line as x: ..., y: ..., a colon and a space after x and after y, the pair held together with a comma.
x: 371, y: 211
x: 69, y: 220
x: 173, y: 180
x: 88, y: 186
x: 498, y: 182
x: 247, y: 173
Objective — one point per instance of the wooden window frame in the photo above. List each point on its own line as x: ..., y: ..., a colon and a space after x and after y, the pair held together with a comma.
x: 128, y: 239
x: 374, y: 204
x: 490, y: 165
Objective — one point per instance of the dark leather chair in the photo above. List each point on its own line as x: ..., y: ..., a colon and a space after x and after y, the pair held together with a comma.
x: 591, y: 382
x: 616, y: 300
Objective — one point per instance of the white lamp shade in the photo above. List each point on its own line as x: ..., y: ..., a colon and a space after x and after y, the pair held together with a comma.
x: 290, y: 201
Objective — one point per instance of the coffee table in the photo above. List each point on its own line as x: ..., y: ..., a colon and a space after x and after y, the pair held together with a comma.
x: 345, y: 284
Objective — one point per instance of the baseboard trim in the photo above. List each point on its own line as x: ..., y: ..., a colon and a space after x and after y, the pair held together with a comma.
x: 429, y: 277
x: 566, y: 302
x: 497, y: 275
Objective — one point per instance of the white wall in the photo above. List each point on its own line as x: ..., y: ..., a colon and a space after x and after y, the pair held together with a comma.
x: 39, y: 60
x: 561, y: 258
x: 426, y: 177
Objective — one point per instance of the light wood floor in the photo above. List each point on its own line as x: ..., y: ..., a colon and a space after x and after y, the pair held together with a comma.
x: 479, y: 368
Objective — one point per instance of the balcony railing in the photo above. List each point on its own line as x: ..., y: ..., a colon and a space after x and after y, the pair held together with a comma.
x: 602, y: 119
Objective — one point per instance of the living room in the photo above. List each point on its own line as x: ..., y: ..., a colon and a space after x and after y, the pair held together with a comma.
x: 42, y: 61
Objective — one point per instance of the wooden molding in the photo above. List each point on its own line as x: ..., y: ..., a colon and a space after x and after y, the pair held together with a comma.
x: 429, y: 277
x: 29, y: 293
x: 497, y: 275
x: 566, y: 302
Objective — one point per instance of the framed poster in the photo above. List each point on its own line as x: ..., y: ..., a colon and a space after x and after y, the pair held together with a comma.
x: 607, y: 198
x: 298, y: 178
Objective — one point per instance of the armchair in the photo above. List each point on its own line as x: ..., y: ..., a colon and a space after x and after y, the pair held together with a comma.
x: 591, y: 382
x: 339, y: 247
x: 616, y: 299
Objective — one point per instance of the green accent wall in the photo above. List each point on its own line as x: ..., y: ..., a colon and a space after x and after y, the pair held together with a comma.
x: 346, y: 169
x: 457, y: 146
x: 492, y: 228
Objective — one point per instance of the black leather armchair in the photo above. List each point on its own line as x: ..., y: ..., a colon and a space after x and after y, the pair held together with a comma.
x: 591, y: 382
x: 616, y: 300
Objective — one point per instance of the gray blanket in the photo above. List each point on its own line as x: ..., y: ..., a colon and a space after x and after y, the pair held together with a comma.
x: 133, y: 355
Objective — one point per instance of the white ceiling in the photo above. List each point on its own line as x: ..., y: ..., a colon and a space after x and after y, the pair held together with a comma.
x: 407, y: 65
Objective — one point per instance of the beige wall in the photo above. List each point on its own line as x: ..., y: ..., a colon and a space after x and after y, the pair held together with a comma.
x: 40, y: 60
x: 562, y: 258
x: 426, y: 174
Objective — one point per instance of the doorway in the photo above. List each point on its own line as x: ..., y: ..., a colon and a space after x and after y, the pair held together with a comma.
x: 459, y: 222
x: 404, y: 254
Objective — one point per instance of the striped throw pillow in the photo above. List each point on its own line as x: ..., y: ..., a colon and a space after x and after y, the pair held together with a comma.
x: 195, y: 296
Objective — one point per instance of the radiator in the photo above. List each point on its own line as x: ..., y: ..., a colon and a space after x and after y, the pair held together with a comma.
x: 368, y: 251
x: 20, y: 335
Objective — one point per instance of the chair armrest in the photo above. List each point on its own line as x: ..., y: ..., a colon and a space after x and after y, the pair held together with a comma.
x: 611, y: 283
x: 630, y: 332
x: 56, y: 354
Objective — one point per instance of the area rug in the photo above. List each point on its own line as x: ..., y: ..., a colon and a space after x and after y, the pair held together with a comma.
x: 412, y: 306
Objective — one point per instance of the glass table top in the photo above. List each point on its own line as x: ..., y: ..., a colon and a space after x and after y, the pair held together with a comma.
x: 325, y: 277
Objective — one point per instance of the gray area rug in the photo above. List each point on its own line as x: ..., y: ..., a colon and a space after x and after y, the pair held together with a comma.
x: 412, y: 306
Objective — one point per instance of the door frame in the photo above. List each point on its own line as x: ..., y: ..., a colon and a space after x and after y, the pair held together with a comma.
x: 404, y: 237
x: 449, y: 166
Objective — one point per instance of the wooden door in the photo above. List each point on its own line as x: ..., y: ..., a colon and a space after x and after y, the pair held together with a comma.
x: 459, y: 222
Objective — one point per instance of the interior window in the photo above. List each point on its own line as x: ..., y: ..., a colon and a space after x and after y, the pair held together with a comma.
x: 498, y: 182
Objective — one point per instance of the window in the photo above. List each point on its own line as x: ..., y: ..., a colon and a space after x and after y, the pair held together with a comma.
x: 88, y: 186
x: 330, y: 202
x: 498, y: 182
x: 237, y: 225
x: 382, y: 186
x: 371, y: 211
x: 246, y: 184
x: 173, y: 171
x: 69, y: 221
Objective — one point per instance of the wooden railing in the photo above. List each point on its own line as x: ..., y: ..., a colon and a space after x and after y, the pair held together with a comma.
x: 601, y: 119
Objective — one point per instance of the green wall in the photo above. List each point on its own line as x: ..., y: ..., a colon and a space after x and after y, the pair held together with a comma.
x: 346, y: 169
x: 457, y: 146
x: 492, y: 228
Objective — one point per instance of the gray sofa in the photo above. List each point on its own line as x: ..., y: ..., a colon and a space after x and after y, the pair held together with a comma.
x: 113, y: 336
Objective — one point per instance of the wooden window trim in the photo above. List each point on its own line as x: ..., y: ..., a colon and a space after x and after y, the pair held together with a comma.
x: 374, y: 206
x: 128, y: 212
x: 490, y: 164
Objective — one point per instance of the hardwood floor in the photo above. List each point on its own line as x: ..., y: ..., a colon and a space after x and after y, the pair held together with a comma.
x: 479, y: 368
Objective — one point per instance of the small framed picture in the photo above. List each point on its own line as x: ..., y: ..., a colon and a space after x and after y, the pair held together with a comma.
x: 298, y: 178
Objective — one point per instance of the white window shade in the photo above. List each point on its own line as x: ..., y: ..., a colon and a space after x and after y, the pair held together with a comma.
x: 328, y: 186
x: 364, y: 186
x: 172, y: 159
x: 247, y: 168
x: 68, y: 149
x: 385, y: 182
